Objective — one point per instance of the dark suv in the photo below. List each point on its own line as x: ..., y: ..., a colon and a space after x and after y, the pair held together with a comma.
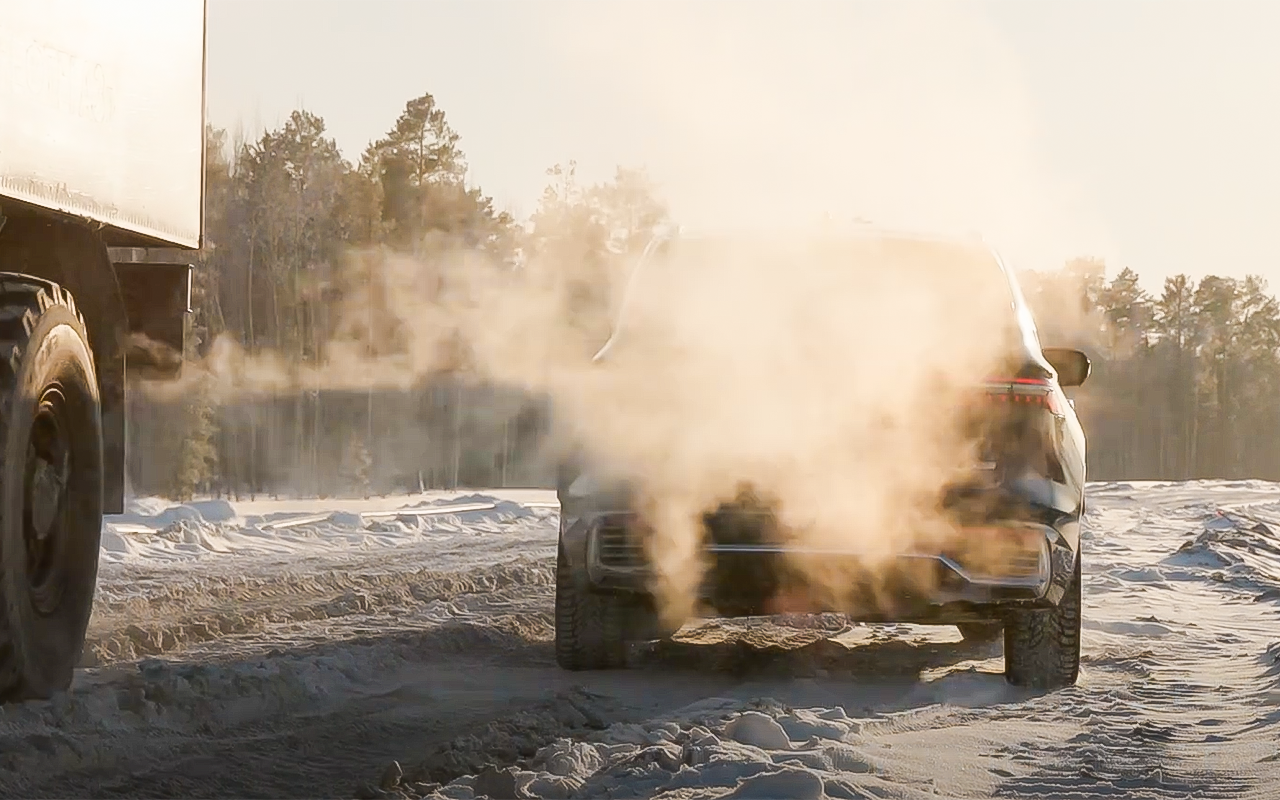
x: 1028, y: 491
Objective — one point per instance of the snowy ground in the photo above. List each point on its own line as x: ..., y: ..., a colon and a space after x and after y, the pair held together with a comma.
x: 401, y: 647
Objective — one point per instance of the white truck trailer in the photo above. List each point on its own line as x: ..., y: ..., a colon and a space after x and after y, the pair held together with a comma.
x: 101, y: 205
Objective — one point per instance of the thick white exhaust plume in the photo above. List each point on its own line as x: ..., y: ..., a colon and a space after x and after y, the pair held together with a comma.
x: 828, y: 375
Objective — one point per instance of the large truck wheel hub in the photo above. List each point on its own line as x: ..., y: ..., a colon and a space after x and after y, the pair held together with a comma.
x: 47, y: 471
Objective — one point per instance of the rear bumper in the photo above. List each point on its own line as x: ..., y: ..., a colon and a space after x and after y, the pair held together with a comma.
x: 756, y: 579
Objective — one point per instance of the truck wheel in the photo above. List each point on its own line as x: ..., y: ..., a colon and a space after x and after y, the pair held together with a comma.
x: 50, y: 486
x: 589, y: 626
x: 980, y: 632
x: 1042, y: 647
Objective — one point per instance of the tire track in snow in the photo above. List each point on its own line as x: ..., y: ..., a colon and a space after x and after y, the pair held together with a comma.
x: 1172, y: 707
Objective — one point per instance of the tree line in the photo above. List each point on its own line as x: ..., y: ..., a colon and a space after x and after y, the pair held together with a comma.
x: 1184, y: 382
x: 297, y: 253
x: 297, y: 242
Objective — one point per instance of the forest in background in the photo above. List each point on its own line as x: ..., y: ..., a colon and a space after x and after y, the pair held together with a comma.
x: 296, y: 248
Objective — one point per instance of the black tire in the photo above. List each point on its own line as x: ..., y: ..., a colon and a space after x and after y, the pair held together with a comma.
x: 1042, y: 648
x: 589, y: 626
x: 50, y: 486
x: 980, y: 632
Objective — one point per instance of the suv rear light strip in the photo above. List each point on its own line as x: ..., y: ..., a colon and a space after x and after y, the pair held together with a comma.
x: 1032, y: 391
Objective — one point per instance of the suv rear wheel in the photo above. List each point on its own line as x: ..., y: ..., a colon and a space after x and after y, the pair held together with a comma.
x: 589, y: 625
x: 1042, y: 647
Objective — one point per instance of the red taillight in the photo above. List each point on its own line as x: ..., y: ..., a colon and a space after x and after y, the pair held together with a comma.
x: 1028, y: 391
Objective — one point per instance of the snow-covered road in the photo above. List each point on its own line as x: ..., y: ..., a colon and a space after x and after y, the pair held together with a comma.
x: 402, y: 647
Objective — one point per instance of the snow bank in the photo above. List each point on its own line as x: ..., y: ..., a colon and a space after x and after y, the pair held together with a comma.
x: 153, y: 530
x: 717, y: 747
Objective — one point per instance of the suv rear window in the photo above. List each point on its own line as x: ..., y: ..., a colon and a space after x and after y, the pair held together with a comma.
x: 923, y: 277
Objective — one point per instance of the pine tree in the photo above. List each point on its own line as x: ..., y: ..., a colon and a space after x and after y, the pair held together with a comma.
x: 197, y: 459
x: 357, y: 465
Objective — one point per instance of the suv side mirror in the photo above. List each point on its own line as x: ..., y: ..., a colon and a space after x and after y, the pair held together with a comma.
x: 1073, y: 367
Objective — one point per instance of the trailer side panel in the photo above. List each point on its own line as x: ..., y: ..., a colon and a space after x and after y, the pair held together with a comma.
x: 102, y: 114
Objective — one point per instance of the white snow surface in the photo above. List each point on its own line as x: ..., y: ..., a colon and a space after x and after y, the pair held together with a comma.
x: 288, y: 648
x: 154, y: 530
x: 1178, y: 696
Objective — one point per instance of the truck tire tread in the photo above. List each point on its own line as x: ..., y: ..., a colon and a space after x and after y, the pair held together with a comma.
x: 38, y: 653
x: 589, y: 626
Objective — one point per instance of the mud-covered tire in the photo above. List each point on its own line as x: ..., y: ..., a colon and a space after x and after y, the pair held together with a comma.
x: 1042, y: 647
x: 980, y: 632
x: 50, y: 486
x: 589, y: 626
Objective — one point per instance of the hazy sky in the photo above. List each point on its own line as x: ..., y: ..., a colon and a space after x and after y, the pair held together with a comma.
x: 1146, y: 132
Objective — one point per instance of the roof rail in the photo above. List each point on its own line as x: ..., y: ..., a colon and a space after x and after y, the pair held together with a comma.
x: 660, y: 237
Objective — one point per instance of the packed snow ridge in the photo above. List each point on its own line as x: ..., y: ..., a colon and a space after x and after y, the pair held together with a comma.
x: 154, y: 530
x: 712, y: 749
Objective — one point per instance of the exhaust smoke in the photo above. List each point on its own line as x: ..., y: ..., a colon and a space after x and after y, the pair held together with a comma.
x: 828, y: 371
